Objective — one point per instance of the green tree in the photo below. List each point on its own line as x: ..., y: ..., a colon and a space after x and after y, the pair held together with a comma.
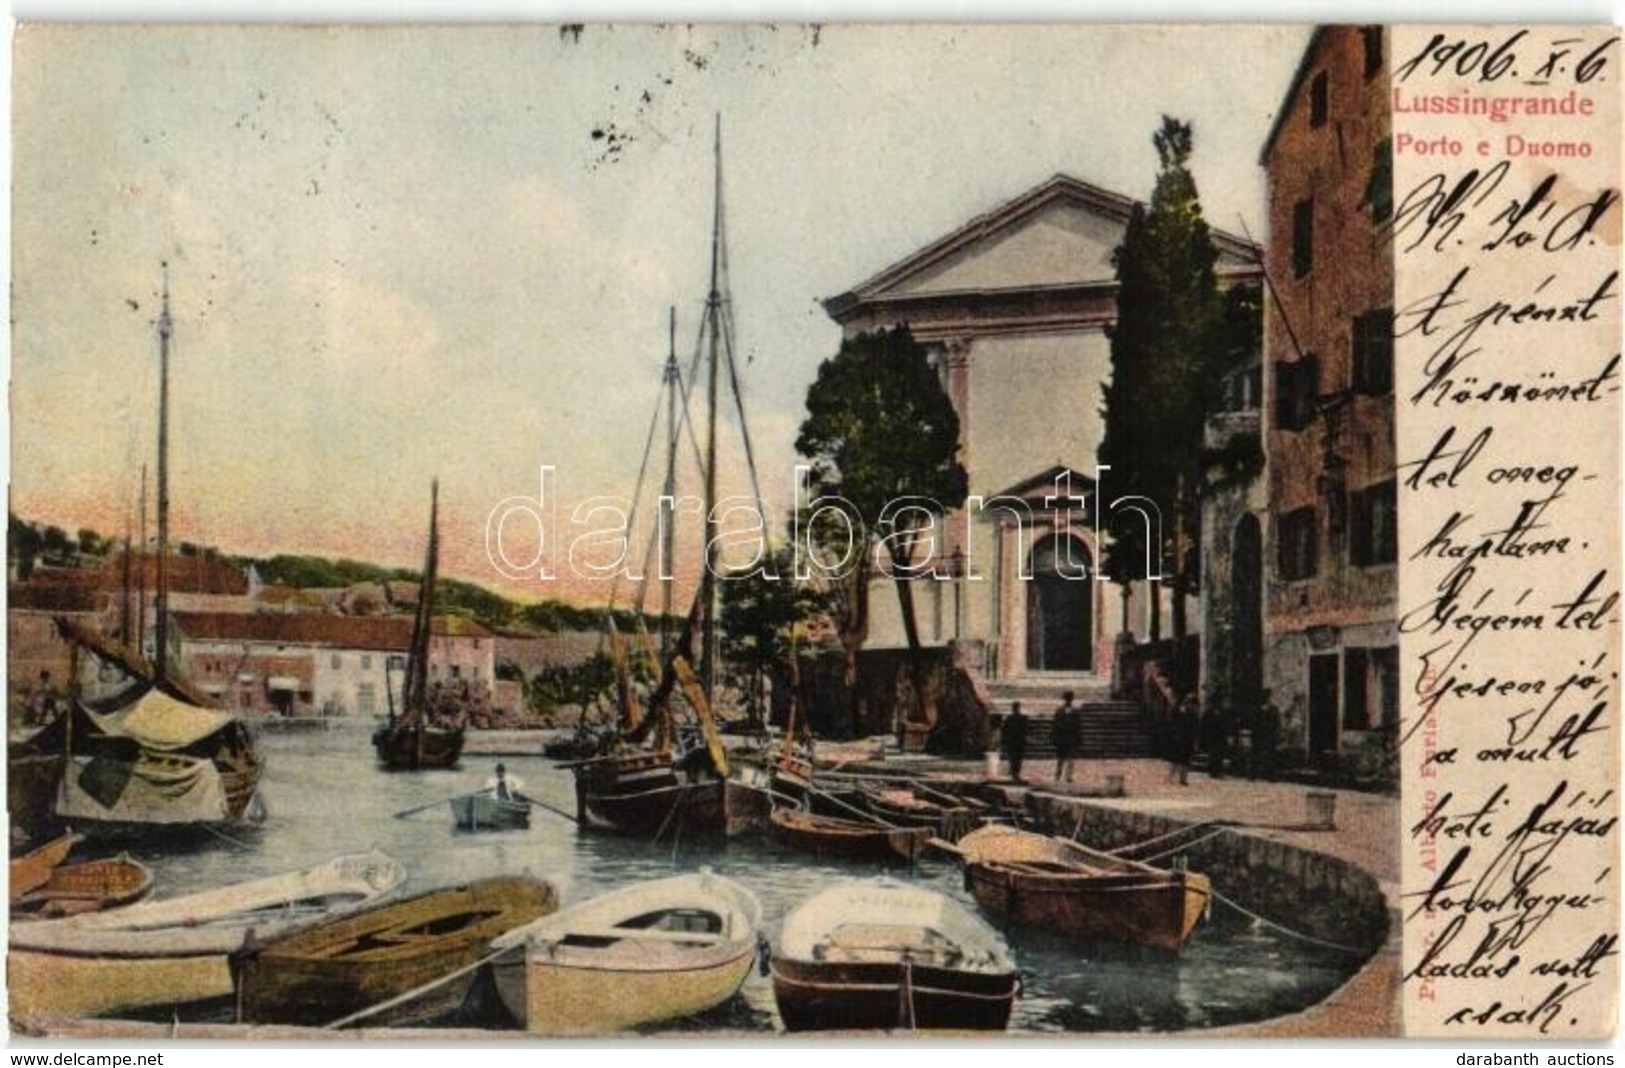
x: 761, y: 608
x: 1168, y: 352
x: 882, y: 435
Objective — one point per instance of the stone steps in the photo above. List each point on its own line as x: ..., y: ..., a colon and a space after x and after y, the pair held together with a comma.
x: 1108, y: 729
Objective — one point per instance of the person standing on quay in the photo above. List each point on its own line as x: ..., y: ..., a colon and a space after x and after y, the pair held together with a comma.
x: 1014, y: 736
x: 1064, y: 728
x: 1186, y: 725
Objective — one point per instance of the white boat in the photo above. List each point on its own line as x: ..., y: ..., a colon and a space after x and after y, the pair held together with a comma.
x: 486, y: 812
x: 652, y: 952
x: 175, y: 950
x: 882, y: 955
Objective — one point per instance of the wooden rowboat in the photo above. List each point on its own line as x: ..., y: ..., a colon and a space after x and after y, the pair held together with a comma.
x: 655, y: 951
x: 32, y: 870
x: 882, y: 955
x: 90, y: 886
x: 487, y: 812
x: 830, y: 836
x: 325, y: 973
x: 946, y: 817
x: 1061, y: 886
x: 174, y: 951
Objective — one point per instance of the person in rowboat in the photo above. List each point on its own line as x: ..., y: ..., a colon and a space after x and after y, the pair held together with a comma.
x: 504, y: 788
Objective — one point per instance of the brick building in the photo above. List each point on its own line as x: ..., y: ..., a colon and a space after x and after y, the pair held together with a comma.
x: 1329, y: 537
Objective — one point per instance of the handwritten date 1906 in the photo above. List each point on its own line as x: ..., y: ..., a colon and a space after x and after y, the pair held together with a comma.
x: 1488, y: 61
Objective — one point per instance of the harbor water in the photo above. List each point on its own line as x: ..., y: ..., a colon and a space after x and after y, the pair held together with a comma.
x: 325, y: 795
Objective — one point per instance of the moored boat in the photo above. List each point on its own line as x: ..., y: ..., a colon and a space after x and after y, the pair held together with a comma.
x: 414, y: 739
x: 428, y: 942
x: 1067, y: 888
x: 88, y: 886
x: 174, y: 951
x: 881, y: 955
x: 33, y: 869
x: 651, y: 952
x: 485, y: 811
x: 946, y: 817
x: 832, y: 836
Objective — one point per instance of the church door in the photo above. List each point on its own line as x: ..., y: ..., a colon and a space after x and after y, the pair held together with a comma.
x: 1060, y: 606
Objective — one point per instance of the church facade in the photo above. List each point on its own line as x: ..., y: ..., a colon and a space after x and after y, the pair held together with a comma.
x: 1014, y: 307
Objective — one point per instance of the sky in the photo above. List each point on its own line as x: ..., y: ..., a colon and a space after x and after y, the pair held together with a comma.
x: 400, y: 253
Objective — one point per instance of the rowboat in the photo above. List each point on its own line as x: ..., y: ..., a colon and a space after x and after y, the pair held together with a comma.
x: 33, y: 869
x: 655, y: 951
x: 831, y: 836
x: 487, y: 812
x: 1062, y: 886
x: 946, y: 817
x: 89, y: 886
x: 881, y: 955
x: 175, y: 950
x: 322, y: 974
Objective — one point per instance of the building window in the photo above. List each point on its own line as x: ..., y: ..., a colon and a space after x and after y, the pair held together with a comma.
x: 396, y: 663
x: 245, y: 699
x: 1376, y: 525
x: 1356, y: 710
x: 1385, y: 665
x: 366, y: 662
x: 334, y: 663
x: 1370, y: 688
x: 1372, y: 341
x: 1379, y: 188
x: 1297, y: 386
x: 1372, y: 37
x: 1317, y: 101
x: 366, y: 699
x: 456, y: 671
x: 1295, y: 553
x: 1303, y: 237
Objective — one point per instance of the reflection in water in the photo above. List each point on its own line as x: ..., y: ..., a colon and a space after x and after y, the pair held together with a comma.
x: 326, y: 796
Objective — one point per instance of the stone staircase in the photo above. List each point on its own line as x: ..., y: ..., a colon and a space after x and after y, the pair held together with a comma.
x: 1110, y: 728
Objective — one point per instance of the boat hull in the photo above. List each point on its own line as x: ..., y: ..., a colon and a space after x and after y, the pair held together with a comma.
x: 482, y: 812
x: 1160, y: 910
x: 332, y: 971
x: 649, y: 952
x: 91, y: 886
x: 67, y: 985
x: 831, y: 837
x: 884, y: 996
x: 416, y: 748
x: 647, y: 798
x: 555, y: 995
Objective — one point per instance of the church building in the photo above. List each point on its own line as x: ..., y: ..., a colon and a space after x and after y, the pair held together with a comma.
x: 1014, y: 306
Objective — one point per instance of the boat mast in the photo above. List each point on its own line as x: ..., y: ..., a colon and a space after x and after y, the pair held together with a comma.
x: 713, y: 313
x: 160, y: 659
x: 141, y: 575
x: 668, y: 536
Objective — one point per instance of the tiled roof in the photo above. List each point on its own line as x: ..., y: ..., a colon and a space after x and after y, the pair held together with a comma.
x: 390, y: 633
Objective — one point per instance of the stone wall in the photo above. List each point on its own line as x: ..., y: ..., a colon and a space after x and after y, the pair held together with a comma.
x: 1319, y: 895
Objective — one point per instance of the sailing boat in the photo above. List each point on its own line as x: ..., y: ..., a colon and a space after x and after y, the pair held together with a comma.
x: 150, y: 754
x: 647, y: 787
x: 411, y: 739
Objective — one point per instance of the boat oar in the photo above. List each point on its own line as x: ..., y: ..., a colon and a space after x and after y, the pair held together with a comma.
x: 547, y: 807
x: 414, y: 993
x: 401, y: 815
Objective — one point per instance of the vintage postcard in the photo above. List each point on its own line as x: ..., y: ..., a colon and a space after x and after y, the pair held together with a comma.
x: 538, y: 532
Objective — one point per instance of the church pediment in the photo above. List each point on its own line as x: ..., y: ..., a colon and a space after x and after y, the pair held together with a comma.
x: 1058, y: 236
x: 1054, y: 488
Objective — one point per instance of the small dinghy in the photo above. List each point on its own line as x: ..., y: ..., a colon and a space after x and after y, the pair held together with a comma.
x: 881, y: 955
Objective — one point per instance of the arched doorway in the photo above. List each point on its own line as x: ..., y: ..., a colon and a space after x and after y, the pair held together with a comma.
x: 1246, y: 614
x: 1060, y: 606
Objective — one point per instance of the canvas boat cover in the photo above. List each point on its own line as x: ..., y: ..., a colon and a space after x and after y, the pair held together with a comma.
x: 160, y: 722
